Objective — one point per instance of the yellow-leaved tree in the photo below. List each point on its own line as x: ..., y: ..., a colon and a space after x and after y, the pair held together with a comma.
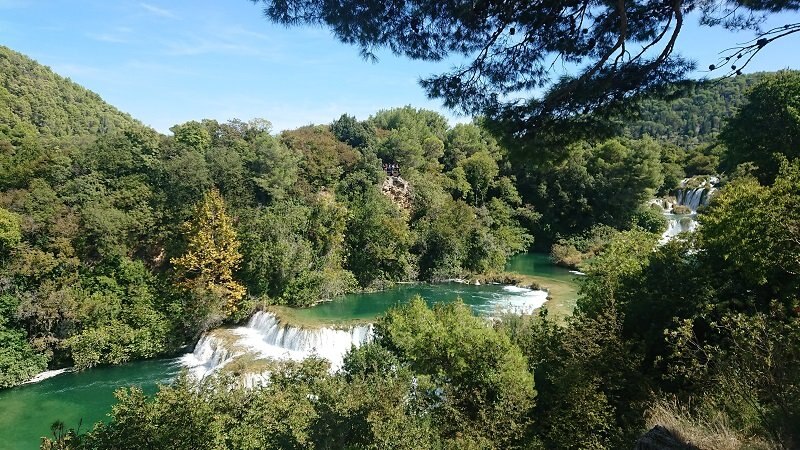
x: 212, y: 252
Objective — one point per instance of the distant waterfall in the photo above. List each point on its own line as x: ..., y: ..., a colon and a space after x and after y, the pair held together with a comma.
x: 701, y: 190
x: 677, y: 225
x: 693, y: 198
x: 266, y: 338
x: 699, y: 195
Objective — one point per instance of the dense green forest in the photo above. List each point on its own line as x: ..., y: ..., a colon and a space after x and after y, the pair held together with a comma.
x: 700, y: 335
x: 31, y: 95
x: 692, y: 115
x: 119, y: 243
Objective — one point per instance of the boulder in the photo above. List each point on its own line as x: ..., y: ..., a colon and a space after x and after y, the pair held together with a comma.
x: 660, y: 438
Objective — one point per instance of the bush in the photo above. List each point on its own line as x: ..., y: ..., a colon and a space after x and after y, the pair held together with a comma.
x: 650, y: 218
x: 681, y: 209
x: 574, y: 251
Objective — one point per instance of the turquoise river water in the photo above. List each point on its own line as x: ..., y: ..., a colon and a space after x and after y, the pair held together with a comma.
x: 26, y: 412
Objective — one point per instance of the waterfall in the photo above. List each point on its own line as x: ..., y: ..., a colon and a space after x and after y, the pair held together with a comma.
x: 677, y: 224
x: 328, y: 343
x: 265, y: 338
x: 699, y: 194
x: 250, y: 351
x: 210, y: 354
x: 692, y: 193
x: 693, y: 198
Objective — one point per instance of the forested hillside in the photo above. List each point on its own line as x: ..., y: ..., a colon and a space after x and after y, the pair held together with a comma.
x: 120, y: 243
x: 700, y: 336
x: 31, y: 94
x: 605, y: 183
x: 696, y: 114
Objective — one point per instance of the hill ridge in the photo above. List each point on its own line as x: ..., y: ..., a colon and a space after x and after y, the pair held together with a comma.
x: 33, y: 95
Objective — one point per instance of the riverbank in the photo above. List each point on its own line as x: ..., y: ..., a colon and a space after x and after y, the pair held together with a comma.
x: 529, y: 270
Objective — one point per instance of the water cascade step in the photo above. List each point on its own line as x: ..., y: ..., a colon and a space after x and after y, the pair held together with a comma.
x: 693, y: 193
x: 266, y: 338
x: 696, y: 192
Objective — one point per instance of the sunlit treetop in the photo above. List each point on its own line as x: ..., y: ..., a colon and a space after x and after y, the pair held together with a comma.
x: 613, y: 50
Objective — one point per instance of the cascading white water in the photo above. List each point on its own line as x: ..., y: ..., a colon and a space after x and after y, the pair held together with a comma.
x: 525, y: 301
x: 696, y: 196
x: 266, y: 338
x: 266, y: 333
x: 693, y: 198
x: 677, y: 224
x: 209, y: 355
x: 248, y: 351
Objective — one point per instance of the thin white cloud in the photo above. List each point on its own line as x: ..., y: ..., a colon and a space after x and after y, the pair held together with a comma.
x: 241, y: 32
x: 114, y: 35
x: 108, y: 37
x: 207, y: 46
x: 161, y: 12
x: 156, y: 69
x: 222, y: 42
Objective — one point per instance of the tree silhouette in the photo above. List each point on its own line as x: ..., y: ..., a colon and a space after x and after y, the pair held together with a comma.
x: 610, y: 51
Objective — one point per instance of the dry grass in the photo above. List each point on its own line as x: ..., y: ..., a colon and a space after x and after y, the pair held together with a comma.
x: 709, y: 431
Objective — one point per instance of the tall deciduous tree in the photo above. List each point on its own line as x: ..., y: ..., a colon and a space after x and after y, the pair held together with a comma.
x: 480, y: 170
x: 10, y: 232
x: 212, y: 252
x: 602, y: 184
x: 192, y: 134
x: 378, y: 241
x: 476, y: 377
x: 752, y: 235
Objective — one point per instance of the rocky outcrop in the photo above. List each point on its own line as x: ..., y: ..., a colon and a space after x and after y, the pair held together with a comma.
x: 398, y: 190
x: 660, y: 438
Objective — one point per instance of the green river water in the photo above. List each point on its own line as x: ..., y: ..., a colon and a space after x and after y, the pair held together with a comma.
x: 26, y: 412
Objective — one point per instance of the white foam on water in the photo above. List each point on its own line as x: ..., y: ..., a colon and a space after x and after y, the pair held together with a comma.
x: 209, y: 355
x: 47, y: 374
x: 519, y: 300
x: 677, y: 224
x: 266, y: 337
x: 515, y: 289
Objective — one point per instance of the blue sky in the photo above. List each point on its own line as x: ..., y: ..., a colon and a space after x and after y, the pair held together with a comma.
x: 167, y: 62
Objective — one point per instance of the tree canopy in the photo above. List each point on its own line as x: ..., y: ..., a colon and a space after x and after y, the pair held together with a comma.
x: 767, y: 127
x: 616, y: 50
